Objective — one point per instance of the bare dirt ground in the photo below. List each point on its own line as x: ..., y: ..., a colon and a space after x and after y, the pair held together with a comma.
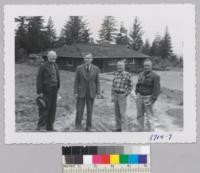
x: 168, y: 109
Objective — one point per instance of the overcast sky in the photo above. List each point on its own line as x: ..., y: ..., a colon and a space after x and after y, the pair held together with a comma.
x: 154, y: 18
x: 153, y: 22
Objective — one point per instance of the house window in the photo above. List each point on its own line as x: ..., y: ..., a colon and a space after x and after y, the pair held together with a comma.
x: 112, y: 62
x: 130, y: 61
x: 69, y: 63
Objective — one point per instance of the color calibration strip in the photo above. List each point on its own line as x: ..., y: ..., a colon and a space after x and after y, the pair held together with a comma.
x: 105, y: 159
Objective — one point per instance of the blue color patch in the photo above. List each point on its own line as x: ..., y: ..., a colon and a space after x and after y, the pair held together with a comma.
x: 133, y: 159
x: 142, y: 159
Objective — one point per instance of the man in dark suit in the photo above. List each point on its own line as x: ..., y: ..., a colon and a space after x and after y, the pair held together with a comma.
x: 86, y: 87
x: 48, y: 83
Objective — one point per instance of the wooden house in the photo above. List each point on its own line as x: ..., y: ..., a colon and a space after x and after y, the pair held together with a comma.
x: 104, y: 56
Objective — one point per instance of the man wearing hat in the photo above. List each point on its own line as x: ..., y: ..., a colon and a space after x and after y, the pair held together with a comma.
x: 48, y: 83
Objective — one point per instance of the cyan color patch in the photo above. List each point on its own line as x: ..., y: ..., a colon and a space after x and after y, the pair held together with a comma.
x: 133, y: 159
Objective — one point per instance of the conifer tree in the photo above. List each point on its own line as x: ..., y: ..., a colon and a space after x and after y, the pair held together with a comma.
x: 146, y: 48
x: 136, y: 35
x: 50, y: 34
x: 166, y: 45
x: 108, y: 29
x: 156, y: 46
x: 75, y: 31
x: 35, y: 34
x: 122, y: 37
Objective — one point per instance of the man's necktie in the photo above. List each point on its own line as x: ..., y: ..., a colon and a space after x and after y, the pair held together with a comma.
x: 88, y: 67
x: 53, y: 67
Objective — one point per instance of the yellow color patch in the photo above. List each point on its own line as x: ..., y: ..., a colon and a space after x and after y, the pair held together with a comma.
x: 114, y: 159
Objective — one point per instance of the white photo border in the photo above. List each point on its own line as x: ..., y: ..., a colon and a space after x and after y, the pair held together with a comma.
x: 188, y: 135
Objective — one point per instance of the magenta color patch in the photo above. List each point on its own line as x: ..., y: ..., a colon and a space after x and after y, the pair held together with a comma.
x: 97, y: 159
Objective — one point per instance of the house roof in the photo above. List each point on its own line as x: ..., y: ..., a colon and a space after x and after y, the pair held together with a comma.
x: 98, y: 51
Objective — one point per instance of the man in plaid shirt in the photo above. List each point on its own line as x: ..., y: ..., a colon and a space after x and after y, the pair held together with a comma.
x: 121, y: 88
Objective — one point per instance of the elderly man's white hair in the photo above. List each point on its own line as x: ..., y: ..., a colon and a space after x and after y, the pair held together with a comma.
x: 121, y: 62
x: 51, y: 52
x: 147, y: 60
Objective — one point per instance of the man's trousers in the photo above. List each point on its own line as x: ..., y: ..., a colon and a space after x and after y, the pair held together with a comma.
x: 80, y: 105
x: 47, y: 115
x: 120, y: 103
x: 144, y: 107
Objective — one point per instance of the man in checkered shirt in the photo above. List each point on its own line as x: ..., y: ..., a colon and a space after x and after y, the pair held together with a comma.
x: 121, y: 88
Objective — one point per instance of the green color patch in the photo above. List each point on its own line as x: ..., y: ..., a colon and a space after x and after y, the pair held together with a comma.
x: 123, y: 159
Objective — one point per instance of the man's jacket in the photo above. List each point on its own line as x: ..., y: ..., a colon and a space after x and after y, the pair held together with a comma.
x: 148, y: 84
x: 44, y: 78
x: 87, y: 80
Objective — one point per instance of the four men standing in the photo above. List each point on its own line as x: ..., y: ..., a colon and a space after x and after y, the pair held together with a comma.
x: 87, y: 87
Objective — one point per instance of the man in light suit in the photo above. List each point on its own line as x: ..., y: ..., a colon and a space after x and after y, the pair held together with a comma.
x: 86, y: 88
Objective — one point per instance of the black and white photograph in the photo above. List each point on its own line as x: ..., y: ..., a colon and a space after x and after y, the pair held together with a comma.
x: 100, y: 73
